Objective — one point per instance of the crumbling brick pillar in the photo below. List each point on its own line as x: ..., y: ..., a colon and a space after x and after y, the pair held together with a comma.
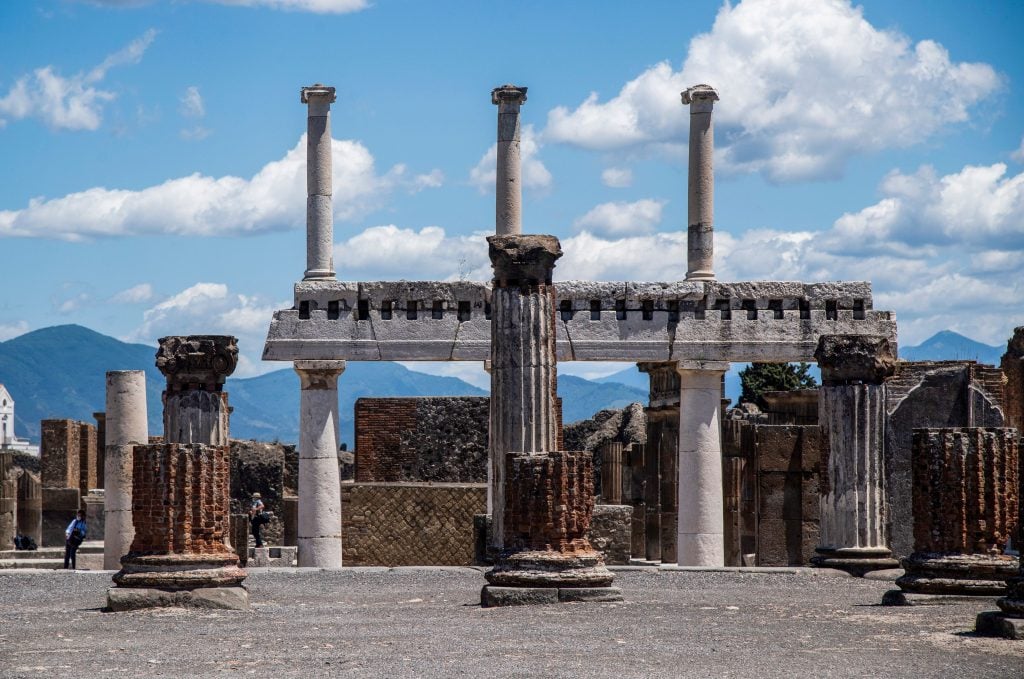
x: 319, y: 518
x: 853, y: 533
x: 127, y: 426
x: 547, y: 497
x: 59, y: 453
x: 181, y: 489
x: 965, y: 509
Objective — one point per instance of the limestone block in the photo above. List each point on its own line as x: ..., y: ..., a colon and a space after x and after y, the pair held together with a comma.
x: 218, y: 598
x: 610, y: 530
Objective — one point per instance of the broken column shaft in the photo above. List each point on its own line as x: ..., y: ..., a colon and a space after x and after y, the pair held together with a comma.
x: 319, y: 177
x: 180, y: 503
x: 851, y: 409
x: 508, y: 184
x: 965, y: 507
x: 700, y: 233
x: 547, y: 495
x: 319, y: 520
x: 126, y: 426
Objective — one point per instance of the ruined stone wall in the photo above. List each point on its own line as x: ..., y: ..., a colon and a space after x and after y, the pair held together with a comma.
x: 439, y: 439
x: 258, y: 467
x: 87, y: 458
x: 410, y: 524
x: 931, y: 394
x: 610, y: 530
x: 180, y: 499
x: 59, y: 453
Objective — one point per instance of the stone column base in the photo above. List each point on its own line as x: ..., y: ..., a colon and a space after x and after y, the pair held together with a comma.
x: 550, y: 569
x: 855, y: 560
x: 961, y: 574
x: 135, y: 598
x: 179, y: 571
x: 492, y: 596
x: 996, y: 624
x: 1013, y: 603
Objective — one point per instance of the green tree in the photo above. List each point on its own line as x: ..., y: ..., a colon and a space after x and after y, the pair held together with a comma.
x: 757, y: 378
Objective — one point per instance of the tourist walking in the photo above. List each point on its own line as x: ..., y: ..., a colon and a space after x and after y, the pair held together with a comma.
x: 74, y: 535
x: 257, y: 517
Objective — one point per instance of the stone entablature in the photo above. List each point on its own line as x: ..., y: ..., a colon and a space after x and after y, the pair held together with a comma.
x: 595, y: 321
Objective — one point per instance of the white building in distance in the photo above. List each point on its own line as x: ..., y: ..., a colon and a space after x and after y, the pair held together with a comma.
x: 7, y: 438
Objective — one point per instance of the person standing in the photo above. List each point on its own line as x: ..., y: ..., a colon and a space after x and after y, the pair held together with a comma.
x: 257, y: 517
x: 74, y: 535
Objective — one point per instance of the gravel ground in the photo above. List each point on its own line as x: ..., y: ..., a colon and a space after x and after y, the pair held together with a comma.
x: 427, y: 623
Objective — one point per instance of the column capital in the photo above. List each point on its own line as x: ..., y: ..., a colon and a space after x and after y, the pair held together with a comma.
x: 700, y: 98
x: 319, y: 374
x: 523, y: 260
x: 702, y: 366
x: 849, y: 359
x: 510, y: 94
x: 197, y: 361
x: 318, y: 93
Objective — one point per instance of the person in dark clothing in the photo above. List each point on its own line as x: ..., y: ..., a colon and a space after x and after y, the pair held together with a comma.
x: 257, y: 517
x: 74, y: 535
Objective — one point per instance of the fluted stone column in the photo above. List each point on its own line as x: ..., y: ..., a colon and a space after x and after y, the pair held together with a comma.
x: 319, y: 175
x: 700, y: 236
x: 701, y: 523
x: 851, y: 410
x: 319, y: 524
x: 127, y: 426
x: 965, y: 508
x: 30, y: 506
x: 546, y: 502
x: 508, y: 184
x: 179, y: 555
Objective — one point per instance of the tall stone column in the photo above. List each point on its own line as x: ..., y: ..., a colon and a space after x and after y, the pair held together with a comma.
x: 701, y: 522
x: 508, y: 186
x: 319, y: 177
x: 127, y: 426
x: 663, y: 437
x: 30, y: 506
x: 851, y: 413
x: 319, y: 524
x: 965, y: 507
x: 700, y: 234
x: 547, y: 498
x: 101, y: 447
x: 181, y: 489
x: 8, y: 500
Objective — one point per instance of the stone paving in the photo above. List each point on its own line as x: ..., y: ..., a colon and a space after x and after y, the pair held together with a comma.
x: 422, y: 622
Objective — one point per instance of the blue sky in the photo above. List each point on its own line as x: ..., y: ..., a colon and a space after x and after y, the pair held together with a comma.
x: 152, y: 164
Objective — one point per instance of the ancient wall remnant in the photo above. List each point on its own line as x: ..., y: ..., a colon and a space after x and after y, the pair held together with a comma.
x: 59, y: 452
x: 441, y: 439
x: 410, y: 524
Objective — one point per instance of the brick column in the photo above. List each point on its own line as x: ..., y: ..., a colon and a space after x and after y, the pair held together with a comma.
x: 965, y: 508
x: 852, y: 418
x: 180, y: 489
x: 319, y: 521
x: 547, y: 498
x: 319, y: 178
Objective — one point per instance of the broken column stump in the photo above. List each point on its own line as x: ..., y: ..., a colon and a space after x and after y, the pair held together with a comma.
x: 546, y: 498
x: 965, y: 509
x: 854, y: 513
x: 179, y: 555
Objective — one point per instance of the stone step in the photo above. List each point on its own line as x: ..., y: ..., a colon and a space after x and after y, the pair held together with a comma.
x: 92, y: 562
x: 88, y: 547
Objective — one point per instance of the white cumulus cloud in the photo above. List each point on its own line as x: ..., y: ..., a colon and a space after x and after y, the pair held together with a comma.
x: 622, y: 218
x: 804, y: 85
x: 198, y: 205
x: 535, y: 174
x: 143, y: 292
x: 73, y: 102
x: 12, y: 329
x: 388, y: 253
x: 617, y: 177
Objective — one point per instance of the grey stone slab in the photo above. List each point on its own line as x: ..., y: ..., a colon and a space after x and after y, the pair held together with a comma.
x: 589, y: 594
x: 492, y: 596
x: 996, y: 624
x: 136, y: 598
x: 897, y: 597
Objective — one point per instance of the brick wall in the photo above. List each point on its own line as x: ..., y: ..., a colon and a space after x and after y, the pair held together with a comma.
x: 442, y: 439
x: 59, y: 453
x: 410, y: 524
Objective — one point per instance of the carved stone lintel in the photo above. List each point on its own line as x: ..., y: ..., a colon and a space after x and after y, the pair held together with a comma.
x: 197, y: 361
x: 523, y: 260
x: 850, y: 359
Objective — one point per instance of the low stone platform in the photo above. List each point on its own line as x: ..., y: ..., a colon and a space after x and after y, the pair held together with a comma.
x: 898, y: 597
x: 997, y: 624
x: 492, y: 595
x: 137, y: 598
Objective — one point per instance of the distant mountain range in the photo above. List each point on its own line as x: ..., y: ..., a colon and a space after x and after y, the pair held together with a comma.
x: 58, y: 372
